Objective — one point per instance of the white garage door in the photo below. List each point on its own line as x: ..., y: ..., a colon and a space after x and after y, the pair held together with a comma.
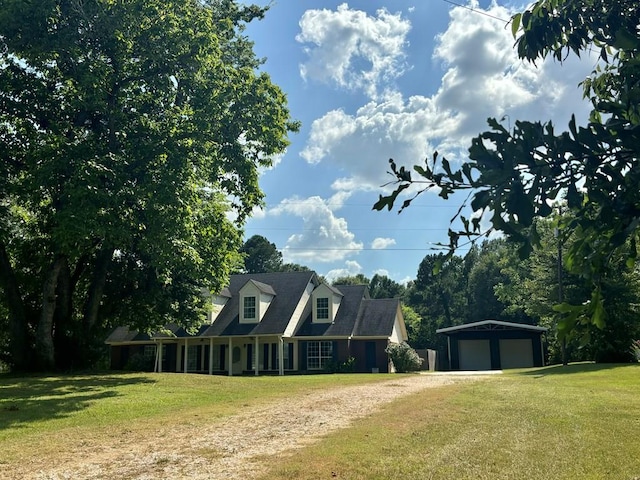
x: 474, y: 354
x: 516, y: 353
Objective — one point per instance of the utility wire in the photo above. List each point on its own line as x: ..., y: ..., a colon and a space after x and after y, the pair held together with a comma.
x: 481, y: 12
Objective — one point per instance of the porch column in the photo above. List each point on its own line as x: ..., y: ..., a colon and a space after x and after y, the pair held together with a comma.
x: 230, y: 355
x: 155, y: 365
x: 186, y: 354
x: 178, y: 356
x: 281, y: 356
x: 211, y: 356
x: 256, y: 356
x: 159, y: 356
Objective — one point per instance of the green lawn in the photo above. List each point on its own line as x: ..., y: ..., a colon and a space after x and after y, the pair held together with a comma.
x: 576, y: 422
x: 48, y: 411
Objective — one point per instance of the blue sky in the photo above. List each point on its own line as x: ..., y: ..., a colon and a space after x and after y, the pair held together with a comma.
x: 371, y: 80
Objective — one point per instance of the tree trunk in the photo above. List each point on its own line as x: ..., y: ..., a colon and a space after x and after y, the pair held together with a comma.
x: 65, y: 351
x: 45, y: 351
x: 18, y: 338
x: 94, y: 298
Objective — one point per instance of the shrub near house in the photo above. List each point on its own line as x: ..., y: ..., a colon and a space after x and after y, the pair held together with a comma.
x: 404, y: 358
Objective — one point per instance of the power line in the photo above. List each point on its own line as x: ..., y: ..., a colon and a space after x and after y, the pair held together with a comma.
x: 481, y: 12
x: 351, y: 229
x: 368, y: 205
x: 367, y: 249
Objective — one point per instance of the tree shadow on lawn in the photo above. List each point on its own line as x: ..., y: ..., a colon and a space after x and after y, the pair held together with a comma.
x: 582, y: 367
x: 25, y: 400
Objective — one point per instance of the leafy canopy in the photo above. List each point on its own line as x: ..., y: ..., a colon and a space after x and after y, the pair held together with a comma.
x: 128, y: 133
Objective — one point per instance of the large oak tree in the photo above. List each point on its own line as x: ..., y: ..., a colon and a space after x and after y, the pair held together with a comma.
x: 128, y: 132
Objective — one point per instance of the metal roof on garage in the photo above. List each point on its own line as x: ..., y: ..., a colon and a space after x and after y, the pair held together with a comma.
x: 491, y: 325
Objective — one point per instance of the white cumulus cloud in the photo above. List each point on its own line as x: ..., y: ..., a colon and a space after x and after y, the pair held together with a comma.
x: 324, y: 238
x: 351, y: 269
x: 482, y: 78
x: 353, y: 50
x: 382, y: 243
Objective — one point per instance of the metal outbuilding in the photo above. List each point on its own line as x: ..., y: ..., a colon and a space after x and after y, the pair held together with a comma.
x: 494, y: 345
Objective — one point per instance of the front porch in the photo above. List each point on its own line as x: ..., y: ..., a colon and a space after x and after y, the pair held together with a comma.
x: 271, y: 355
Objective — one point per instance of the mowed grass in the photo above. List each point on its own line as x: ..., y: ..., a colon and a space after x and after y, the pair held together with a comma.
x: 43, y: 415
x: 576, y: 422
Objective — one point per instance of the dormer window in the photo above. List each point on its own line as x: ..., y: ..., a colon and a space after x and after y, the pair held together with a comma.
x: 249, y: 308
x: 255, y: 299
x: 325, y: 303
x: 322, y: 308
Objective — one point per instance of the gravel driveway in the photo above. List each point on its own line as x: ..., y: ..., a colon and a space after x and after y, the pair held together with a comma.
x: 232, y: 447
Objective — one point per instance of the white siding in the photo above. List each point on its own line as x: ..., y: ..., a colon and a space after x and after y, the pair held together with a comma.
x: 399, y: 333
x: 296, y: 318
x: 265, y: 301
x: 322, y: 291
x: 217, y: 303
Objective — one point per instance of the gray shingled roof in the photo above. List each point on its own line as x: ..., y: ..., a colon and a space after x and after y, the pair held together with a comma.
x: 124, y: 335
x: 262, y: 287
x: 358, y: 316
x: 290, y: 287
x: 345, y: 319
x: 376, y: 317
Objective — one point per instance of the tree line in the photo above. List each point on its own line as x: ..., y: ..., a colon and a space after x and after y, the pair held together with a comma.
x: 492, y: 282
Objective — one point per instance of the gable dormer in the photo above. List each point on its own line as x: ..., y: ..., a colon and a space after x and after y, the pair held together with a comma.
x: 255, y: 298
x: 326, y: 301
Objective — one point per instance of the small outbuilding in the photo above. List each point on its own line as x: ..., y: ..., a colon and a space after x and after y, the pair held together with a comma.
x: 494, y: 345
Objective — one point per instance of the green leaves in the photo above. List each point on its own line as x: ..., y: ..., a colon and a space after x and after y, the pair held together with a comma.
x: 515, y: 24
x: 126, y: 125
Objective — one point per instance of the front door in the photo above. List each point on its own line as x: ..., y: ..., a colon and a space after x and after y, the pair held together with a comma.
x: 370, y: 355
x: 236, y: 357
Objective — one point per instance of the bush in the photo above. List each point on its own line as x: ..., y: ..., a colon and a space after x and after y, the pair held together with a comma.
x: 348, y: 366
x: 139, y: 363
x: 404, y: 358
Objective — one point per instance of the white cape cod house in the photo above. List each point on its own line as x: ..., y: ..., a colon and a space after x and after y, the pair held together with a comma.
x: 274, y: 323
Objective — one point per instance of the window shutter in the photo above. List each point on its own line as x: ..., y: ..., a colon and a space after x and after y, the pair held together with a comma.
x: 222, y: 356
x: 303, y: 356
x: 249, y: 355
x: 274, y: 351
x: 334, y: 351
x: 265, y: 354
x: 290, y: 346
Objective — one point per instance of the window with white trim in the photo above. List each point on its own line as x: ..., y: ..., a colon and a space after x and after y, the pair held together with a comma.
x: 322, y: 308
x: 249, y: 308
x: 319, y: 354
x: 149, y: 353
x: 192, y: 358
x: 215, y: 357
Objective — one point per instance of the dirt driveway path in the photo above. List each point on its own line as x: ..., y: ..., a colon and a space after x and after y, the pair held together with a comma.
x: 231, y: 448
